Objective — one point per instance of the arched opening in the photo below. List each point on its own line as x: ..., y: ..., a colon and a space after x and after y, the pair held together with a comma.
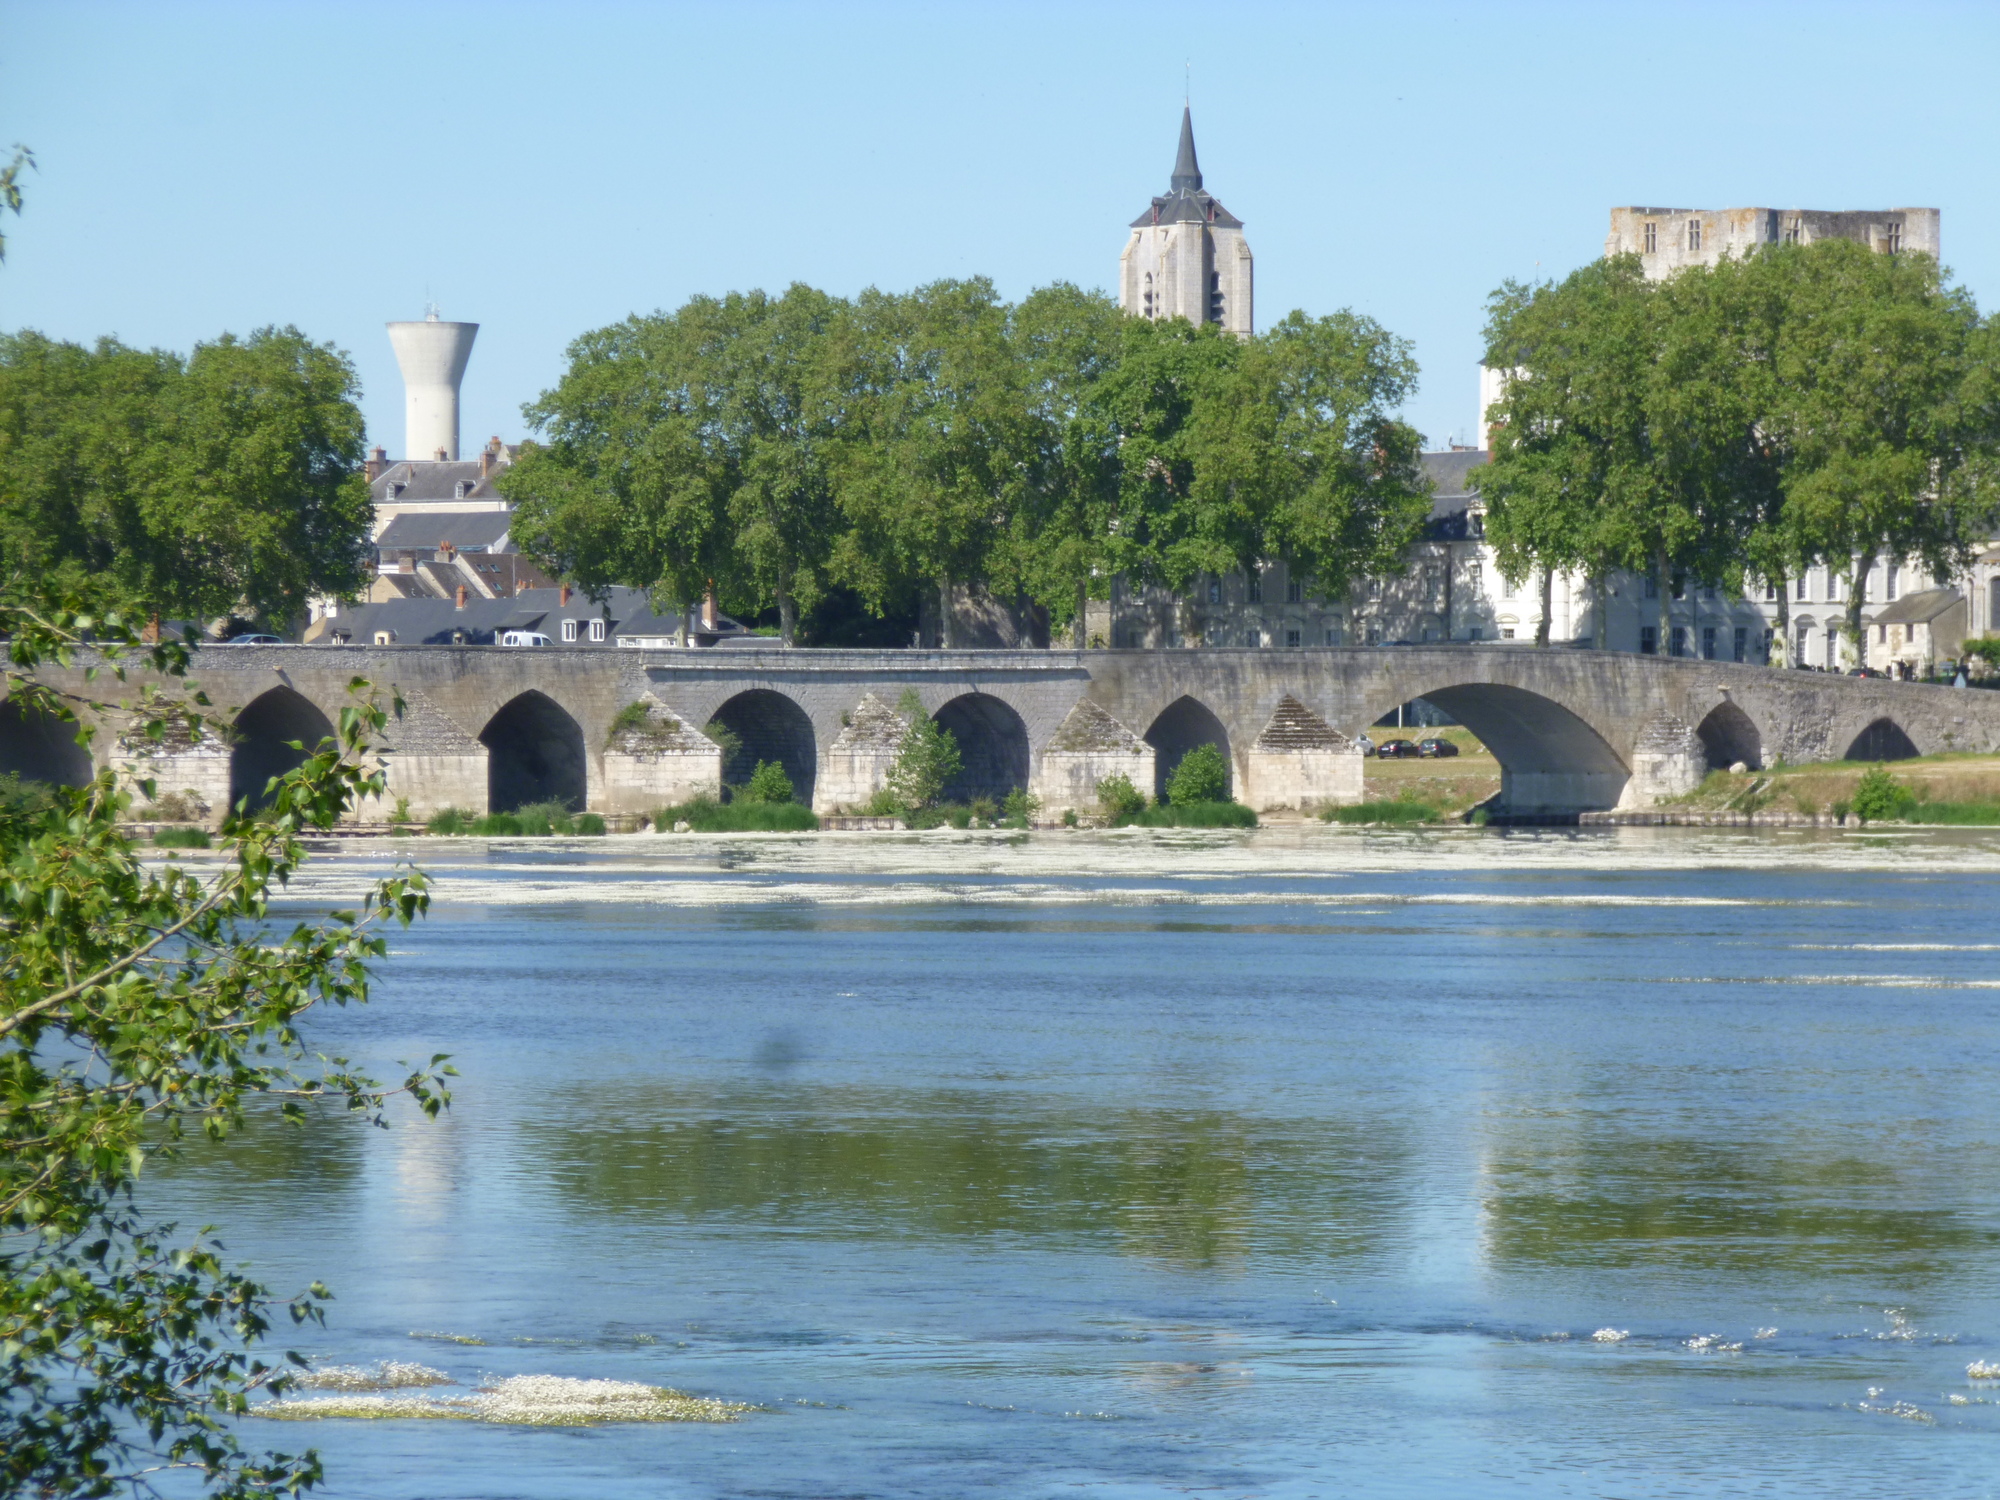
x: 992, y: 747
x: 535, y: 754
x: 1882, y: 740
x: 275, y: 733
x: 1181, y: 726
x: 1729, y: 735
x: 1553, y: 765
x: 41, y: 747
x: 769, y: 726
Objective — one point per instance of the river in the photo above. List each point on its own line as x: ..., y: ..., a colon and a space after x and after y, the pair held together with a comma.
x: 1303, y: 1162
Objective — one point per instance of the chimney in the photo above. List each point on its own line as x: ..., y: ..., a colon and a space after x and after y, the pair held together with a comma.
x: 485, y: 463
x: 441, y: 458
x: 376, y: 462
x: 461, y: 596
x: 563, y: 602
x: 432, y: 355
x: 710, y: 616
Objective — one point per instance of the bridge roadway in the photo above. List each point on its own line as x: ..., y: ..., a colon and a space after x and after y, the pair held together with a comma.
x: 492, y: 728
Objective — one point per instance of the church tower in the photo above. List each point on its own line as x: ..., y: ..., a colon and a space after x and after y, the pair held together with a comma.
x: 1186, y: 257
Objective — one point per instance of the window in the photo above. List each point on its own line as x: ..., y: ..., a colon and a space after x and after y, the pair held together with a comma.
x: 1677, y: 644
x: 1215, y: 297
x: 1708, y: 591
x: 1507, y: 631
x: 1804, y: 636
x: 1146, y: 300
x: 1215, y: 591
x: 1892, y: 238
x: 1742, y: 642
x: 1652, y: 238
x: 1694, y: 234
x: 1474, y: 579
x: 1332, y: 635
x: 1652, y: 586
x: 1889, y: 572
x: 597, y: 630
x: 1804, y: 591
x: 1708, y: 643
x: 1832, y: 648
x: 1475, y: 634
x: 1292, y: 639
x: 1374, y: 588
x: 1649, y: 640
x: 1255, y: 589
x: 1680, y: 586
x: 1795, y: 232
x: 1770, y: 592
x: 1294, y: 592
x: 1374, y: 635
x: 1836, y: 586
x: 460, y: 490
x: 395, y: 488
x: 569, y: 630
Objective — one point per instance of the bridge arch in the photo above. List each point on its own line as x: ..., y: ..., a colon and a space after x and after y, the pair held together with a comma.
x: 535, y: 753
x: 275, y: 732
x: 771, y: 727
x: 992, y: 747
x: 1729, y: 735
x: 1882, y: 739
x: 1181, y: 726
x: 41, y: 747
x: 1553, y: 762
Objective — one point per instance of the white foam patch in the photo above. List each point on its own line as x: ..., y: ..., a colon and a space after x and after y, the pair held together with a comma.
x: 388, y: 1375
x: 1983, y: 1369
x: 1612, y: 1335
x: 519, y: 1401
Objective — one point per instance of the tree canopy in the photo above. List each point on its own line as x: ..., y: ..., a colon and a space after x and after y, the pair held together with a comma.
x: 940, y: 438
x: 178, y: 486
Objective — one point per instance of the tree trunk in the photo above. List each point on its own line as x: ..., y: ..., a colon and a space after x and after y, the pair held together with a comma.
x: 1784, y: 639
x: 947, y: 635
x: 1857, y: 595
x: 1663, y: 638
x: 788, y: 617
x: 1548, y: 592
x: 1600, y: 585
x: 1082, y: 612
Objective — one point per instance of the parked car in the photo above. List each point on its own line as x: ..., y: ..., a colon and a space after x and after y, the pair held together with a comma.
x: 1864, y: 672
x: 1397, y: 750
x: 256, y: 639
x: 525, y: 638
x: 1436, y: 749
x: 1367, y: 745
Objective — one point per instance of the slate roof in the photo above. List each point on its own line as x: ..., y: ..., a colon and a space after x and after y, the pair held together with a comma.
x: 1917, y: 609
x: 872, y: 725
x: 1184, y: 201
x: 431, y: 622
x: 424, y: 729
x: 429, y: 479
x: 1089, y: 728
x: 1452, y: 495
x: 1295, y: 727
x: 428, y: 530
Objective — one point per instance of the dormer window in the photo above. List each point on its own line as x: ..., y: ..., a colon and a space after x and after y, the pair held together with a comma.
x: 569, y: 631
x: 395, y: 488
x: 460, y: 490
x: 597, y: 630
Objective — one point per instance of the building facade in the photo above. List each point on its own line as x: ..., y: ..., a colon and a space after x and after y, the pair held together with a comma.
x: 1186, y: 256
x: 1667, y: 240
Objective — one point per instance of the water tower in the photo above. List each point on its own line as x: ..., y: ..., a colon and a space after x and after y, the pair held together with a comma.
x: 432, y: 355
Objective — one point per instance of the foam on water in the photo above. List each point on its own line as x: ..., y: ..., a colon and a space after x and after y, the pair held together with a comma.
x: 386, y: 1375
x: 520, y: 1401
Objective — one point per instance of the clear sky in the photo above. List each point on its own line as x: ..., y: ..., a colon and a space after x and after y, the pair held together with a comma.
x: 543, y: 170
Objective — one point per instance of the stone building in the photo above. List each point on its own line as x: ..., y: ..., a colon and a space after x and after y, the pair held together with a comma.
x: 1186, y: 256
x: 1668, y: 239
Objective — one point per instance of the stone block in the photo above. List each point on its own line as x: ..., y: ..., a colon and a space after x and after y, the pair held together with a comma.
x: 190, y: 775
x: 1668, y: 760
x: 428, y: 760
x: 1300, y: 761
x: 857, y: 764
x: 659, y: 763
x: 1087, y: 747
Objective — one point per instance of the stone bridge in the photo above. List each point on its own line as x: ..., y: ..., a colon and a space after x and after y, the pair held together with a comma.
x: 621, y: 731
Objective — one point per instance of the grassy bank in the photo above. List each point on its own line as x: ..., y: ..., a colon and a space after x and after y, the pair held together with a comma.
x: 1960, y: 790
x: 536, y: 820
x: 706, y: 815
x: 1188, y: 815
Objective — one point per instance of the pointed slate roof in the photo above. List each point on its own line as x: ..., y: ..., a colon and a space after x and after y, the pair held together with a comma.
x: 872, y: 725
x: 1089, y: 728
x: 1185, y: 202
x: 1295, y: 727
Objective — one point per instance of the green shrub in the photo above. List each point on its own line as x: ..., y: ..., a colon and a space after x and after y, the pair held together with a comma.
x: 497, y: 826
x: 884, y: 804
x: 183, y: 838
x: 588, y: 826
x: 1192, y: 815
x: 730, y: 741
x: 1019, y: 809
x: 1118, y: 797
x: 768, y: 783
x: 1202, y: 776
x: 1879, y: 797
x: 1069, y: 817
x: 706, y: 815
x: 1401, y: 810
x: 451, y: 820
x: 928, y: 758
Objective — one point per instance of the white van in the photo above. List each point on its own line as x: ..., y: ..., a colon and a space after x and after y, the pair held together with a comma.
x: 525, y: 638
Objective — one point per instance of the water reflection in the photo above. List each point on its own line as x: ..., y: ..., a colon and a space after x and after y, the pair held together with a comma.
x: 1193, y: 1187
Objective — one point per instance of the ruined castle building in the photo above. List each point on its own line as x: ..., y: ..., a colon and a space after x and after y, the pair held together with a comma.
x: 1666, y: 239
x: 1186, y: 257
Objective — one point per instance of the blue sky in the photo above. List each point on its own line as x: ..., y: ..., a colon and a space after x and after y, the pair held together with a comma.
x: 543, y: 170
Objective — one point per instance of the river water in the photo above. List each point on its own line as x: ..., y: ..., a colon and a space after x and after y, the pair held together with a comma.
x: 1304, y: 1162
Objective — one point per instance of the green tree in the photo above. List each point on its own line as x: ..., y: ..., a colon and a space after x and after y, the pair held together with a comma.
x: 140, y: 1004
x: 184, y: 488
x: 939, y: 448
x: 768, y: 783
x: 10, y: 187
x: 927, y: 761
x: 1201, y: 776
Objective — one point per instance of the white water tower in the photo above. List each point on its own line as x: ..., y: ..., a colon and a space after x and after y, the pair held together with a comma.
x: 432, y: 355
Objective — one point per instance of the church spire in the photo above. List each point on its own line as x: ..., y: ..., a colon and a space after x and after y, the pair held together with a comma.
x: 1187, y: 171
